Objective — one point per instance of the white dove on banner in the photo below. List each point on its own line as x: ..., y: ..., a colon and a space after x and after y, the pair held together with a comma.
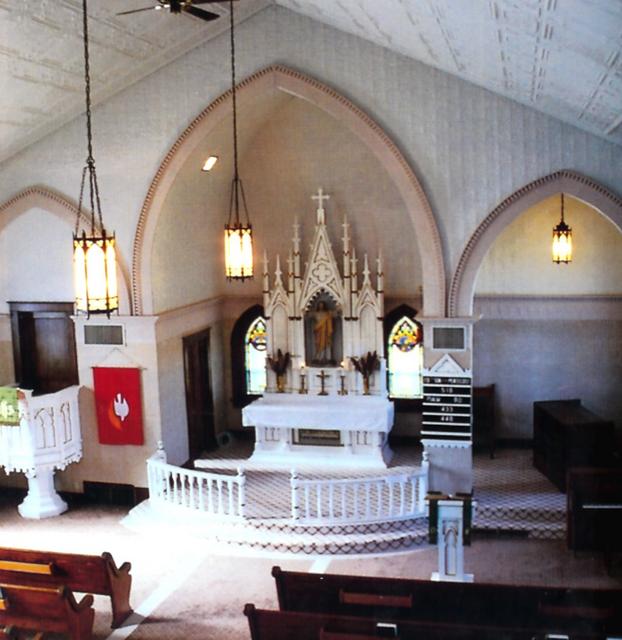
x: 121, y: 407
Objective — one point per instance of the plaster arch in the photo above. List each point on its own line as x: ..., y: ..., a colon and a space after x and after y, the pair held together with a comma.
x: 578, y: 186
x: 277, y: 77
x: 48, y: 200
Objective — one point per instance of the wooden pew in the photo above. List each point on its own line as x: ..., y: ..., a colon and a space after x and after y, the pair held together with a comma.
x: 81, y: 573
x: 47, y: 609
x: 537, y: 608
x: 294, y: 625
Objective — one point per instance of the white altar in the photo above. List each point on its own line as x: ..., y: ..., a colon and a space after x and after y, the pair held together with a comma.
x: 298, y: 429
x: 46, y: 438
x: 323, y: 326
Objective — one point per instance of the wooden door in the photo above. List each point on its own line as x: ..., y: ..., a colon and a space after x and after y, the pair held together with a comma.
x: 44, y: 347
x: 199, y: 403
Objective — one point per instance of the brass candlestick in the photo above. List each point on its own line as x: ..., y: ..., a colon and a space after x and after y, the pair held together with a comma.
x: 303, y: 388
x: 343, y: 391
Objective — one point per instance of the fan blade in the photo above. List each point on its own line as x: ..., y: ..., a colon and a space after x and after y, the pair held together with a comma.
x: 201, y: 13
x: 125, y: 13
x: 206, y: 1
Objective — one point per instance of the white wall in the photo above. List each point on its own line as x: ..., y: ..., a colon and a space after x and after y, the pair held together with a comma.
x: 519, y: 262
x: 294, y: 149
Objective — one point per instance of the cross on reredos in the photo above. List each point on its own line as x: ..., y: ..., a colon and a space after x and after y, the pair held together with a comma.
x: 320, y: 197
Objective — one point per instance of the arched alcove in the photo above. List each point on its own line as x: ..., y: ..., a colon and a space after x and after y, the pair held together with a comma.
x: 573, y: 184
x: 422, y: 227
x: 31, y: 207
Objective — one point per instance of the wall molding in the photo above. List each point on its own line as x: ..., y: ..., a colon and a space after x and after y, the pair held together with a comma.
x: 281, y: 78
x: 578, y: 186
x: 530, y: 307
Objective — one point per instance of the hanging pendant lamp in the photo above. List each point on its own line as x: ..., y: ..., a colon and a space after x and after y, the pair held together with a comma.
x: 94, y: 257
x: 238, y: 234
x: 562, y: 240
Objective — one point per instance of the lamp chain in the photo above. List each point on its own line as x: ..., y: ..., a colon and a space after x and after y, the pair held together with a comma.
x: 562, y: 207
x: 236, y: 177
x: 90, y: 160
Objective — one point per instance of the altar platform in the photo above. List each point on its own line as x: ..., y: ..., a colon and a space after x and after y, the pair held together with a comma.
x: 513, y: 499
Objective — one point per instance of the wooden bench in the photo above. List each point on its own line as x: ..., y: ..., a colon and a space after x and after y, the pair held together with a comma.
x: 52, y: 609
x: 81, y: 573
x: 294, y: 625
x: 536, y: 608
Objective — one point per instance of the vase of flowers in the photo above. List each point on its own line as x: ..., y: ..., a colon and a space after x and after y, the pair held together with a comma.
x: 279, y: 364
x: 366, y: 365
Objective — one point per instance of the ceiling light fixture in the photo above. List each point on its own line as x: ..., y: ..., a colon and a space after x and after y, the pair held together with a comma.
x: 94, y: 257
x: 238, y: 235
x: 562, y: 240
x: 209, y: 163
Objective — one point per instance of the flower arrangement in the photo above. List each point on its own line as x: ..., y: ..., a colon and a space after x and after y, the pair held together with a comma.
x: 279, y: 364
x: 366, y: 365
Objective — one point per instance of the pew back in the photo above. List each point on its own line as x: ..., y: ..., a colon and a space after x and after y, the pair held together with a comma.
x: 294, y: 625
x: 47, y: 609
x: 551, y: 609
x: 81, y: 573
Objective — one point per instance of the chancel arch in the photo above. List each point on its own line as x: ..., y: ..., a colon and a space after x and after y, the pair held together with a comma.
x: 47, y: 202
x: 609, y: 204
x: 423, y: 231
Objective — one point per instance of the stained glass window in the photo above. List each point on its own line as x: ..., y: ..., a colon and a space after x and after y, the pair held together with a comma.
x: 255, y: 357
x: 405, y: 359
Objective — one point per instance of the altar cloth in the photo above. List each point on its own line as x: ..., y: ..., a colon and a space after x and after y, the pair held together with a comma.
x: 350, y: 413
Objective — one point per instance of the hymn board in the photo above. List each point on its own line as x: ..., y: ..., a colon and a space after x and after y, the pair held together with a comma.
x: 447, y: 401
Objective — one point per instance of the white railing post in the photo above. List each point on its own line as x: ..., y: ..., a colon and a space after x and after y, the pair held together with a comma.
x: 294, y: 487
x: 241, y: 491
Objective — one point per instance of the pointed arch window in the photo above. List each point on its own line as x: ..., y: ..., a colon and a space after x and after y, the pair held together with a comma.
x: 248, y: 356
x: 405, y: 359
x: 255, y: 343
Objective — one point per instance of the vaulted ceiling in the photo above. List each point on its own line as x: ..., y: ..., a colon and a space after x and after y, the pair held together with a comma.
x: 562, y: 57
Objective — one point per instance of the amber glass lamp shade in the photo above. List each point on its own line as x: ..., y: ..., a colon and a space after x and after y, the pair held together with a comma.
x: 238, y: 251
x: 95, y: 273
x: 562, y: 243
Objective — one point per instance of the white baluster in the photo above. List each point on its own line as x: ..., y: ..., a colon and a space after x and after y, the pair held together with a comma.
x: 403, y: 481
x: 210, y: 496
x: 318, y: 496
x: 331, y: 503
x: 230, y: 484
x: 367, y: 501
x: 307, y: 501
x: 219, y: 490
x: 201, y: 494
x: 390, y: 499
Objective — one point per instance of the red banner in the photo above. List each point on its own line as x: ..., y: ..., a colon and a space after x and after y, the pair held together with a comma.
x: 118, y: 402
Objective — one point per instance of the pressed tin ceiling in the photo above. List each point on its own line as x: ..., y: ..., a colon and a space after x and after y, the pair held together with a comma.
x: 562, y: 57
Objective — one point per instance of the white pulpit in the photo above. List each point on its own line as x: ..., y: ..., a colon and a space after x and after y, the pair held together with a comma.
x: 47, y: 439
x: 297, y: 429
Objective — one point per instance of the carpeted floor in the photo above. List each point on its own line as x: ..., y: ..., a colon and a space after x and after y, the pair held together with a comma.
x: 183, y: 590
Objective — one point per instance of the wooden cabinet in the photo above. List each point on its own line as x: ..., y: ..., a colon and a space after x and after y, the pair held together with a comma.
x: 565, y: 435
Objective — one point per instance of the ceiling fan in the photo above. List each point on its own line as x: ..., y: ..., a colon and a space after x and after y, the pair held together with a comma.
x: 180, y: 6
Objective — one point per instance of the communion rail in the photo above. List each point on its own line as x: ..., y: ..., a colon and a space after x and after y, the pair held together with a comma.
x: 360, y: 500
x: 212, y: 494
